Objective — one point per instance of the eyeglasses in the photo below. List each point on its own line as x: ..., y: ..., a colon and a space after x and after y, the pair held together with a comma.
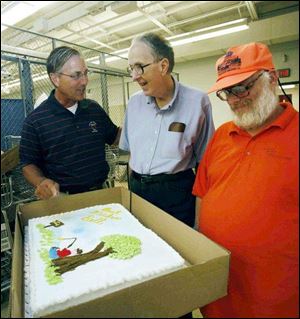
x: 138, y: 68
x: 77, y: 75
x: 237, y: 90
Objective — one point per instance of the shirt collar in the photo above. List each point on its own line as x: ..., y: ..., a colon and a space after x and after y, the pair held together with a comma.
x: 151, y: 99
x: 55, y: 106
x: 58, y: 108
x: 286, y: 116
x: 281, y: 121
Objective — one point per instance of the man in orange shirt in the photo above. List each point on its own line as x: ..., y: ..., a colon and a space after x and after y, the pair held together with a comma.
x: 248, y: 189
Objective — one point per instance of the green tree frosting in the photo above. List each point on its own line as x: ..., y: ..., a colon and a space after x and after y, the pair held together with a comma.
x: 124, y: 247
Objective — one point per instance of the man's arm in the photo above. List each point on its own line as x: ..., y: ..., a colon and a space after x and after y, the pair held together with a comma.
x: 44, y: 187
x: 117, y: 139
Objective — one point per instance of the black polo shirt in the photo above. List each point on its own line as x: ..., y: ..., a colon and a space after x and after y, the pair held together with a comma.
x: 69, y: 148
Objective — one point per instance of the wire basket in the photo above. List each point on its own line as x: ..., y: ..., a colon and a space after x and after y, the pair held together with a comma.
x: 6, y: 191
x: 6, y: 255
x: 22, y: 191
x: 11, y: 141
x: 6, y: 236
x: 112, y: 158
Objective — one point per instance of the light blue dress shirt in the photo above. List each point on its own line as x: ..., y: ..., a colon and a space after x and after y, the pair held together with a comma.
x: 148, y: 135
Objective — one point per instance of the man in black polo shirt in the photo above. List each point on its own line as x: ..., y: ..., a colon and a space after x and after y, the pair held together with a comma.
x: 62, y: 148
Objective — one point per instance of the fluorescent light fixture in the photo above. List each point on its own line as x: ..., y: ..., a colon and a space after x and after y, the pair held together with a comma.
x: 124, y: 54
x: 115, y: 58
x: 8, y: 85
x: 14, y: 83
x: 209, y: 35
x: 122, y: 51
x: 240, y: 27
x: 217, y: 26
x: 110, y: 57
x: 20, y: 11
x: 288, y: 86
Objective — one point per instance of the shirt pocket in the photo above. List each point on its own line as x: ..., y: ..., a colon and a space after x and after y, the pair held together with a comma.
x: 172, y: 146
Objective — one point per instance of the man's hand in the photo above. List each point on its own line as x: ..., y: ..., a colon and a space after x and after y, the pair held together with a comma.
x: 47, y: 189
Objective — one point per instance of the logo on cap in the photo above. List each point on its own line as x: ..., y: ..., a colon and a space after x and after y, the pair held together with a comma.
x: 230, y: 62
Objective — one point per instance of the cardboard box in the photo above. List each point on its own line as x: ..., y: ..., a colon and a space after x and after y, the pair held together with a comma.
x: 10, y: 159
x: 170, y: 295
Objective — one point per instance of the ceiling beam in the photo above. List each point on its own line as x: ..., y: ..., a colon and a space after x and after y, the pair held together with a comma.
x: 252, y: 10
x: 171, y: 25
x: 80, y: 34
x: 156, y: 22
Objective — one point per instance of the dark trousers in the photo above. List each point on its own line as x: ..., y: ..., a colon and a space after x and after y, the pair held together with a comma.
x: 173, y: 196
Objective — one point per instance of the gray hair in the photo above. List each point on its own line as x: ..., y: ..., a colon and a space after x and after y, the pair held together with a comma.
x: 160, y: 47
x: 58, y: 57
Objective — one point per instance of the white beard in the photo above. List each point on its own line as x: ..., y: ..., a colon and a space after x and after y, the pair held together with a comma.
x: 259, y: 111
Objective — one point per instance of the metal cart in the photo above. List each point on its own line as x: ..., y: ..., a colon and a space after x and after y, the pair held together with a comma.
x: 14, y: 190
x: 6, y: 236
x: 21, y: 190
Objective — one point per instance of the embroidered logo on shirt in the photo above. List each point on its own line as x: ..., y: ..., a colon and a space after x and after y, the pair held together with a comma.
x: 93, y: 127
x: 274, y: 153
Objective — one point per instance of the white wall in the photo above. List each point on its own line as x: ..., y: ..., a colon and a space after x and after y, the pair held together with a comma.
x: 201, y: 74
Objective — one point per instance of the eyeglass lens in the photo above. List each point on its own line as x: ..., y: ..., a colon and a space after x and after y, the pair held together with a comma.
x: 238, y: 90
x: 137, y: 68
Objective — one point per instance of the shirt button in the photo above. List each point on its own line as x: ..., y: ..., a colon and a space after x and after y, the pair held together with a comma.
x: 248, y: 153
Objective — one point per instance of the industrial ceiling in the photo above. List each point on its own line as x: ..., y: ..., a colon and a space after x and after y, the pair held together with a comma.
x: 109, y: 26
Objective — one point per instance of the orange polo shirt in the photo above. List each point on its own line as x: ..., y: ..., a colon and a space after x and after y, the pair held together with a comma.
x: 249, y: 186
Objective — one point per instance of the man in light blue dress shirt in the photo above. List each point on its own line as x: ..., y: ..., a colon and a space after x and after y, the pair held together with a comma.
x: 166, y: 129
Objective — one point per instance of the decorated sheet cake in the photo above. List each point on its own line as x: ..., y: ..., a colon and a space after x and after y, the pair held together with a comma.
x: 81, y: 255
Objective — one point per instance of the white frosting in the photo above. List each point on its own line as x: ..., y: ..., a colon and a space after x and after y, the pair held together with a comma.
x: 98, y: 277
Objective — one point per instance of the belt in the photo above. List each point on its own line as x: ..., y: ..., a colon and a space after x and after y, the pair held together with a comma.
x: 79, y: 189
x: 142, y: 178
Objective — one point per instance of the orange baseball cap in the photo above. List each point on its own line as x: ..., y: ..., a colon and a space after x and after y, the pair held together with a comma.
x: 240, y: 62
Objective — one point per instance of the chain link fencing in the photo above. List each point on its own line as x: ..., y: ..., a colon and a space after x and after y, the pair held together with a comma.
x: 25, y: 84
